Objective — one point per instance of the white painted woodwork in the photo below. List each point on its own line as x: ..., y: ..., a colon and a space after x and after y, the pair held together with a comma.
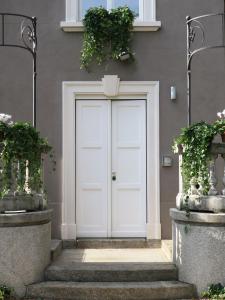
x: 143, y: 26
x: 73, y: 91
x: 96, y: 202
x: 145, y: 22
x: 147, y: 10
x: 92, y: 168
x: 129, y: 167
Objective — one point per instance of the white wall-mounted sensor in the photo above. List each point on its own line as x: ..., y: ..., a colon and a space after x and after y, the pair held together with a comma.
x: 173, y: 93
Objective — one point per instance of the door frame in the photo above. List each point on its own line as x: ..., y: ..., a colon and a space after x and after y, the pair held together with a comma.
x: 78, y: 90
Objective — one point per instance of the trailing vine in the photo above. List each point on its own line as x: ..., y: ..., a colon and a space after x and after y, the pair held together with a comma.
x: 122, y: 19
x: 107, y: 35
x: 219, y: 126
x: 214, y: 291
x: 21, y: 149
x: 196, y: 141
x: 5, y: 292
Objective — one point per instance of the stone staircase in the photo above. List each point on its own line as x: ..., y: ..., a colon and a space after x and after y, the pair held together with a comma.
x: 71, y: 277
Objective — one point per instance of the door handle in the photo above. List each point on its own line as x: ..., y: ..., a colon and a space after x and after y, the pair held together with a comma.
x: 113, y: 176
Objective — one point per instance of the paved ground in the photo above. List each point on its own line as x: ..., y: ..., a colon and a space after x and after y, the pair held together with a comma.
x: 113, y: 255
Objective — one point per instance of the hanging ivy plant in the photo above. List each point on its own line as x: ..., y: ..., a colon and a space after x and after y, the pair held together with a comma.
x: 107, y: 35
x: 21, y: 149
x: 122, y: 19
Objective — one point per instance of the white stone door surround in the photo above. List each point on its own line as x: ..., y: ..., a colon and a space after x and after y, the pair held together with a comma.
x: 110, y: 88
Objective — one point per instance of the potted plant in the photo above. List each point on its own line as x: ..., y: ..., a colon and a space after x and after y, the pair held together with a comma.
x: 25, y: 220
x: 214, y: 291
x: 199, y: 183
x: 195, y: 142
x: 21, y: 156
x: 199, y: 219
x: 122, y: 19
x: 107, y: 35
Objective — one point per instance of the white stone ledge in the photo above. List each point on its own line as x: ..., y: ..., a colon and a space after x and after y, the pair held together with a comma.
x: 72, y: 26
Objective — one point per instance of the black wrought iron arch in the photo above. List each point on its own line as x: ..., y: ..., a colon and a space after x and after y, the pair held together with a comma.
x: 28, y: 42
x: 194, y: 26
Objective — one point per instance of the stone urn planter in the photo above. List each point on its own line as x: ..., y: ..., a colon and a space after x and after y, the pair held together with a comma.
x: 25, y: 203
x: 198, y: 247
x: 199, y: 226
x: 25, y: 248
x: 25, y: 221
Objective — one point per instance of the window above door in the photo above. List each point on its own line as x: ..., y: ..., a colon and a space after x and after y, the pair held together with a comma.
x: 134, y: 5
x: 144, y: 9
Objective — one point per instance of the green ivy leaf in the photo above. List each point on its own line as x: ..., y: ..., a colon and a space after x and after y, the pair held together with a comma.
x: 107, y: 35
x: 21, y: 148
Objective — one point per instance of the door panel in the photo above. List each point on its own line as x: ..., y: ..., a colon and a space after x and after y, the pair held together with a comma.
x: 91, y: 167
x: 125, y: 215
x: 129, y: 166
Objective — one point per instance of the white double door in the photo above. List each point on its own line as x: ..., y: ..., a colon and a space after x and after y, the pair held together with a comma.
x: 111, y: 168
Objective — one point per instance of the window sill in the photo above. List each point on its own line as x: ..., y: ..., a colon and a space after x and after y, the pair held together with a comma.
x: 71, y: 26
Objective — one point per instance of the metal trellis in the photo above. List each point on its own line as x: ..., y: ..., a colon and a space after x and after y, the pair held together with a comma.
x: 28, y: 41
x: 195, y: 28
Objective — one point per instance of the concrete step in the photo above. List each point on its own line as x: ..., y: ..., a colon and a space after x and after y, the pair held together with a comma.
x: 146, y: 255
x: 56, y: 290
x: 56, y: 249
x: 115, y: 243
x: 167, y: 246
x: 111, y: 272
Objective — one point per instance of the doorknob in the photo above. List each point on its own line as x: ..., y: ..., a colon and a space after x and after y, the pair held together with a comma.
x: 114, y: 176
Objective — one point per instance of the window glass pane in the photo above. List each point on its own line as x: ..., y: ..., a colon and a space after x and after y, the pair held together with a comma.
x: 132, y: 4
x: 86, y: 4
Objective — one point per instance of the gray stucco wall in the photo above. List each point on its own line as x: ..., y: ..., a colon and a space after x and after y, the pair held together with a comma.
x: 159, y: 56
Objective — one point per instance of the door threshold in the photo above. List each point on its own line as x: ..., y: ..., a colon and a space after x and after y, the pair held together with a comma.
x: 112, y: 243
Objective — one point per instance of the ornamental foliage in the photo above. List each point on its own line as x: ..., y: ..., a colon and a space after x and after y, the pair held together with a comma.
x: 214, y: 291
x: 21, y: 150
x: 5, y: 292
x: 107, y: 35
x: 196, y: 141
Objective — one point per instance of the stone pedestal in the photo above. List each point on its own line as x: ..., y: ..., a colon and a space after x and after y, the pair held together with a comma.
x: 24, y: 248
x: 199, y: 247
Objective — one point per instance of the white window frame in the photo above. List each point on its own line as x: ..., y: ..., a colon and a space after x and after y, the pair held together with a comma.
x: 145, y: 22
x: 111, y: 5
